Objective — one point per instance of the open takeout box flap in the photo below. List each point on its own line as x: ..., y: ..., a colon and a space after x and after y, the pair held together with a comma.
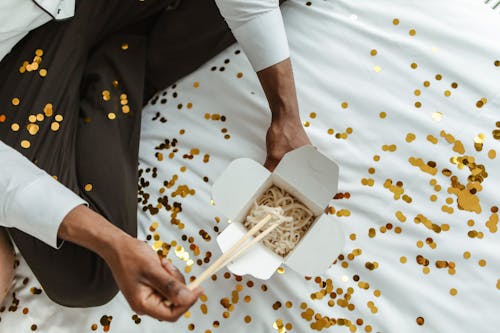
x: 318, y: 248
x: 258, y: 261
x: 233, y: 190
x: 307, y: 170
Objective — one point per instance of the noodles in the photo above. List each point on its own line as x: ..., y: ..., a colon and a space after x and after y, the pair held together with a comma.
x: 294, y: 218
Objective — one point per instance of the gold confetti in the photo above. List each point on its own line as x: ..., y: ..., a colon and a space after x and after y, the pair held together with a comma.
x: 25, y: 144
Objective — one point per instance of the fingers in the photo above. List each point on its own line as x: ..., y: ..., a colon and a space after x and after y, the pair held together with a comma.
x: 176, y: 292
x: 172, y: 270
x: 154, y: 305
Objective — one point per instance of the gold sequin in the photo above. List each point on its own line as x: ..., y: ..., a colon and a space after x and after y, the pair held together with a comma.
x: 25, y: 144
x: 54, y: 126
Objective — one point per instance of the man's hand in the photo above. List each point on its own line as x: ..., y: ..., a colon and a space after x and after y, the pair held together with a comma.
x: 147, y: 285
x: 152, y: 287
x: 282, y: 137
x: 286, y: 132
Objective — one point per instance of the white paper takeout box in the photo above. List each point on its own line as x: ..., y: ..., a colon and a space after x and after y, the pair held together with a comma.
x: 306, y: 174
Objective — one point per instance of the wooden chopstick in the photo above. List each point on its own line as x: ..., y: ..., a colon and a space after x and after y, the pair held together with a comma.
x: 227, y: 256
x: 248, y: 245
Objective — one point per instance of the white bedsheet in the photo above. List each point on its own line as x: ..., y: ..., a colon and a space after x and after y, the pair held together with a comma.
x: 331, y: 43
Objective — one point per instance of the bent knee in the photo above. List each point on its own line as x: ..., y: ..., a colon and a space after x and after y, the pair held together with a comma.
x: 83, y: 296
x: 79, y: 293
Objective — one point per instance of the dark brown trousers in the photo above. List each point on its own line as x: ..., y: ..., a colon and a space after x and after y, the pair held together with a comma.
x: 94, y: 72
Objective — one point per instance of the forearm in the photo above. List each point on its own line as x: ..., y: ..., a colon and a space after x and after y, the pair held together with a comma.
x: 86, y: 228
x: 279, y: 86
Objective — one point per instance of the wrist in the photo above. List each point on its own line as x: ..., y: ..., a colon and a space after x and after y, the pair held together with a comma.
x: 86, y: 228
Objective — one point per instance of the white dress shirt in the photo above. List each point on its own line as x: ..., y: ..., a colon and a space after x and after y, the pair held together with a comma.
x: 36, y: 203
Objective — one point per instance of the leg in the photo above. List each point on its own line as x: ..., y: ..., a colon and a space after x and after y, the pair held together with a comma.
x: 72, y: 119
x: 182, y: 40
x: 6, y: 264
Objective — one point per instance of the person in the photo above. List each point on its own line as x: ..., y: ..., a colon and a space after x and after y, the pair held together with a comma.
x: 74, y: 77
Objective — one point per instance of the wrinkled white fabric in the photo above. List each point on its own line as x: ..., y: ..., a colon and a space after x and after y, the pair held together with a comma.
x: 330, y: 44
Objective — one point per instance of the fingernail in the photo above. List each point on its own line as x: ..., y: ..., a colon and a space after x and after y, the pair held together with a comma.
x: 185, y: 294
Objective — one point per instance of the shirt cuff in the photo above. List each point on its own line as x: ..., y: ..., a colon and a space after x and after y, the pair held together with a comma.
x: 263, y: 40
x: 39, y: 208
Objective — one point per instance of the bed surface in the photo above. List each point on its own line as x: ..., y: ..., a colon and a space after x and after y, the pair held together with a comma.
x: 404, y: 95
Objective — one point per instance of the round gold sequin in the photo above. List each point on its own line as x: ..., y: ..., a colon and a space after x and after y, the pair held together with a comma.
x: 344, y: 105
x: 111, y: 115
x: 32, y: 129
x: 14, y: 127
x: 43, y: 72
x: 492, y: 154
x: 453, y: 292
x: 15, y: 101
x: 420, y: 321
x: 88, y: 187
x: 412, y: 32
x: 414, y: 65
x: 403, y: 260
x: 54, y: 126
x: 447, y: 93
x: 58, y: 118
x: 410, y: 137
x: 482, y: 262
x: 382, y: 115
x: 25, y: 144
x: 427, y: 84
x: 239, y: 75
x: 395, y: 21
x: 124, y: 46
x: 497, y: 63
x: 373, y: 52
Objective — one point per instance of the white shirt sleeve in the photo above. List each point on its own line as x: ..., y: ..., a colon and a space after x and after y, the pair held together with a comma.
x: 258, y: 27
x: 30, y: 199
